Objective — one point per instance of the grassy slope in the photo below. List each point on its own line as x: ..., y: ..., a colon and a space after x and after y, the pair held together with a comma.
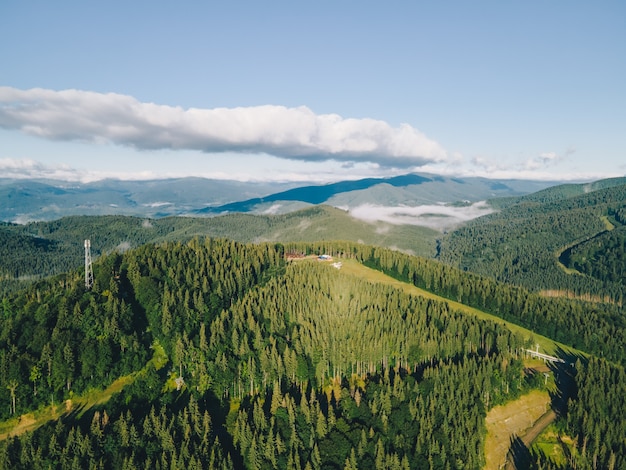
x: 78, y: 404
x: 546, y: 345
x: 556, y: 445
x: 502, y: 422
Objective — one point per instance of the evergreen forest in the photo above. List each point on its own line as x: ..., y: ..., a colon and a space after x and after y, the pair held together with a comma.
x: 38, y: 249
x: 271, y: 363
x: 531, y: 240
x: 195, y: 350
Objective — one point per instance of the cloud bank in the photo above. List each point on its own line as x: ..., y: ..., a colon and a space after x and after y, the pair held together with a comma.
x: 438, y: 217
x: 291, y: 133
x: 28, y: 168
x: 533, y: 167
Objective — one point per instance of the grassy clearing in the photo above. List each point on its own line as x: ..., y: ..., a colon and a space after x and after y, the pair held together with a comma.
x: 607, y: 223
x: 76, y: 404
x: 546, y: 345
x: 29, y: 421
x: 554, y: 445
x: 514, y: 418
x: 97, y: 397
x: 159, y: 356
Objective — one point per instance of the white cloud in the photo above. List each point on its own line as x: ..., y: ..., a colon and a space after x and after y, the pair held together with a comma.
x: 291, y: 133
x: 185, y: 163
x: 548, y: 156
x: 28, y: 168
x: 157, y: 204
x: 272, y: 210
x: 544, y: 166
x: 546, y: 159
x: 123, y: 247
x: 439, y: 217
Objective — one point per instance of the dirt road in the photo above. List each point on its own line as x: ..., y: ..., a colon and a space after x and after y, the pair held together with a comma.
x: 531, y: 434
x: 516, y: 418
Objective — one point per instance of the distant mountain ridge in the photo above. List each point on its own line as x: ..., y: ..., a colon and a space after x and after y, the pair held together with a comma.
x: 25, y: 200
x: 317, y: 194
x: 520, y: 234
x: 410, y: 189
x: 32, y: 200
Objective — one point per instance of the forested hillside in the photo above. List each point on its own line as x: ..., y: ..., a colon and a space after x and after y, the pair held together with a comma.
x: 39, y: 249
x: 602, y: 257
x: 282, y: 364
x: 596, y: 417
x: 521, y: 243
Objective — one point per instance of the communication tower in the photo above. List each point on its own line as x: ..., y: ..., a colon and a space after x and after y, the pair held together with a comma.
x: 88, y: 267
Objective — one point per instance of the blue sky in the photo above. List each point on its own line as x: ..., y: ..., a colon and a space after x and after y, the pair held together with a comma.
x: 312, y: 91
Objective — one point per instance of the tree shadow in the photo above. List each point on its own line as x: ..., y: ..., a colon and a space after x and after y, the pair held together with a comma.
x: 564, y: 378
x: 519, y: 454
x: 219, y: 414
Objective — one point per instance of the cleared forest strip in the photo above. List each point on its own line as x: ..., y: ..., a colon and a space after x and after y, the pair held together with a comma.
x: 33, y: 420
x: 79, y: 404
x: 546, y: 344
x: 568, y: 294
x: 515, y: 418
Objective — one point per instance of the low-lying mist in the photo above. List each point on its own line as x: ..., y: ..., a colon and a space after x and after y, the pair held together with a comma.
x: 435, y: 216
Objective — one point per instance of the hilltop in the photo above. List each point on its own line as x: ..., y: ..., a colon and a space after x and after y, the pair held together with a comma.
x: 38, y: 249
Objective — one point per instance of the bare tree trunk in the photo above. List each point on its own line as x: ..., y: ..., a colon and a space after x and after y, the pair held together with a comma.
x: 12, y: 387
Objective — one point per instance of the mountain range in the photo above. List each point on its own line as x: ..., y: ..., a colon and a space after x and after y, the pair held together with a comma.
x: 31, y: 200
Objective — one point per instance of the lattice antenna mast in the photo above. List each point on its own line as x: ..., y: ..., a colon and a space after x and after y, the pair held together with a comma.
x: 88, y: 267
